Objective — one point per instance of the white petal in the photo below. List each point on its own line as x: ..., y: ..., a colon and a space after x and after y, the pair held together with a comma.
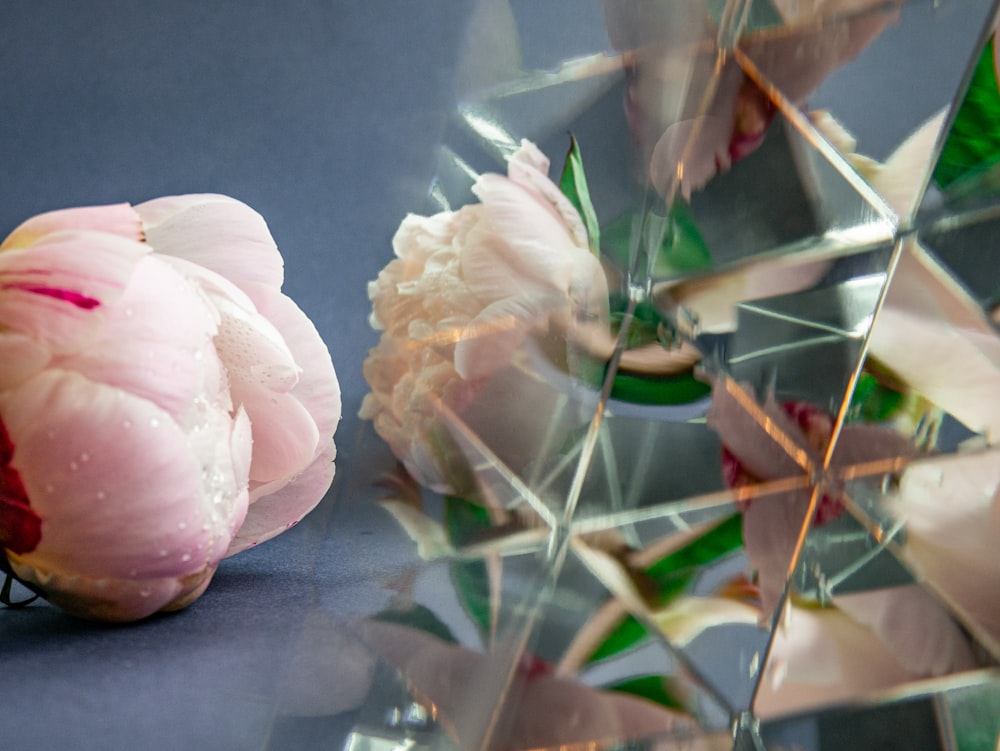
x: 217, y: 232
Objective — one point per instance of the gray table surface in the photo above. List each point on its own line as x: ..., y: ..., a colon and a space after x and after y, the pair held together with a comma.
x: 323, y: 116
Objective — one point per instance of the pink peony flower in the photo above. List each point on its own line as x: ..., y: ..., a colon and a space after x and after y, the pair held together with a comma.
x: 162, y: 403
x: 465, y: 291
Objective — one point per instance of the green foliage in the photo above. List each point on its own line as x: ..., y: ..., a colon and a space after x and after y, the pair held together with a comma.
x: 873, y: 402
x: 420, y: 618
x: 973, y: 144
x: 651, y: 687
x: 573, y: 184
x: 681, y: 251
x: 463, y: 521
x: 671, y: 575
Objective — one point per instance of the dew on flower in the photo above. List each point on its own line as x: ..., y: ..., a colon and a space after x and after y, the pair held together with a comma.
x: 154, y: 422
x: 74, y: 466
x: 163, y: 553
x: 101, y: 495
x: 84, y: 457
x: 186, y: 557
x: 182, y: 525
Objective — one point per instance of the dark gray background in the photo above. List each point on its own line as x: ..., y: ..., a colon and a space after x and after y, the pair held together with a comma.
x: 323, y: 116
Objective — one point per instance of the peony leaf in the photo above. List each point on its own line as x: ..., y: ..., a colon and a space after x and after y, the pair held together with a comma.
x: 659, y: 390
x: 573, y: 183
x: 973, y: 145
x: 671, y: 575
x: 873, y: 402
x: 463, y: 520
x: 420, y: 618
x: 651, y: 687
x: 719, y: 541
x: 627, y: 634
x: 682, y: 250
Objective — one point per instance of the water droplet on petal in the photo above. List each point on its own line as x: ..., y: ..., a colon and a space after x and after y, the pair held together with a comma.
x: 182, y: 525
x: 74, y: 466
x: 126, y: 424
x: 154, y: 422
x: 186, y: 557
x: 163, y: 553
x: 84, y: 457
x: 101, y: 495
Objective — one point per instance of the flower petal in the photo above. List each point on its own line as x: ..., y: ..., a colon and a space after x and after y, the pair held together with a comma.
x: 217, y: 232
x: 281, y: 509
x: 116, y: 219
x: 21, y: 356
x: 71, y: 439
x: 317, y: 387
x: 919, y: 633
x: 156, y: 343
x: 54, y: 290
x: 520, y: 246
x: 925, y: 306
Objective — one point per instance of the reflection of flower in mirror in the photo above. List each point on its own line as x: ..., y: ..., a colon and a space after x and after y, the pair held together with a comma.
x: 465, y: 291
x: 772, y: 442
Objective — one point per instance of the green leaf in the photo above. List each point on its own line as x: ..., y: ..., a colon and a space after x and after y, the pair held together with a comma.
x: 463, y: 521
x: 627, y: 634
x: 873, y: 402
x: 651, y: 687
x: 683, y: 249
x: 671, y: 575
x: 420, y: 618
x: 683, y: 388
x: 973, y: 144
x: 573, y: 184
x: 471, y: 582
x: 721, y: 540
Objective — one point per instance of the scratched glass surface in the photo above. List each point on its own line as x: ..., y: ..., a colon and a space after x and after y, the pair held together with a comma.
x: 752, y: 504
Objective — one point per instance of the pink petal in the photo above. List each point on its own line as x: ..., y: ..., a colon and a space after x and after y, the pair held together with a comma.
x: 690, y: 152
x: 528, y: 167
x: 285, y: 437
x: 822, y: 657
x: 157, y: 343
x: 950, y: 507
x: 317, y: 388
x: 116, y: 219
x: 278, y: 510
x: 117, y: 484
x: 217, y: 232
x: 771, y: 527
x: 520, y: 243
x: 494, y: 337
x: 250, y: 346
x: 766, y: 441
x: 915, y: 628
x: 20, y: 357
x: 53, y: 291
x: 543, y: 711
